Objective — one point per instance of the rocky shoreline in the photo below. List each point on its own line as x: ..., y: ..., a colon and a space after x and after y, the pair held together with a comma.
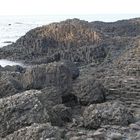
x: 81, y: 83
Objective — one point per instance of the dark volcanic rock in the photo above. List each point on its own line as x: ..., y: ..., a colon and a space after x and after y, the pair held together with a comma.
x: 53, y: 95
x: 53, y: 74
x: 60, y: 115
x: 73, y: 69
x: 26, y: 108
x: 73, y: 40
x: 85, y: 135
x: 89, y: 91
x: 109, y: 113
x: 107, y: 56
x: 10, y: 83
x: 36, y: 132
x: 15, y: 68
x: 21, y: 110
x: 120, y: 28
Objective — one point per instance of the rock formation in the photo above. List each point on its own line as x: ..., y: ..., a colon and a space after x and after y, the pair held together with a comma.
x: 36, y: 132
x: 81, y: 81
x: 53, y: 74
x: 89, y: 91
x: 108, y: 113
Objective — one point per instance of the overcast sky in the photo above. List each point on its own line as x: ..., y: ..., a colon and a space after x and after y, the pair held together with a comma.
x: 98, y: 8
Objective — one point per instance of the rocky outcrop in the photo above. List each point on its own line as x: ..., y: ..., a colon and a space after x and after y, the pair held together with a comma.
x: 58, y: 41
x: 14, y: 79
x: 109, y: 113
x: 21, y: 110
x: 24, y: 109
x: 106, y: 132
x: 9, y: 83
x: 89, y: 91
x: 60, y: 115
x: 74, y: 40
x: 53, y: 74
x: 81, y: 83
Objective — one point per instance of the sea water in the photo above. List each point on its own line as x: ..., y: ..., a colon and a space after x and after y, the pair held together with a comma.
x: 4, y: 63
x: 13, y: 27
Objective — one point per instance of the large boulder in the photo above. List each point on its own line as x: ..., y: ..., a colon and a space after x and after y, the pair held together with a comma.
x: 21, y: 110
x: 32, y: 106
x: 109, y: 113
x: 89, y: 91
x: 53, y: 74
x: 36, y: 132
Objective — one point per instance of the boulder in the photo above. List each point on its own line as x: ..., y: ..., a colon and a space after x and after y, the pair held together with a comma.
x: 109, y: 113
x: 89, y: 91
x: 73, y: 40
x: 36, y: 132
x: 21, y: 110
x: 54, y: 74
x: 60, y: 114
x: 33, y: 106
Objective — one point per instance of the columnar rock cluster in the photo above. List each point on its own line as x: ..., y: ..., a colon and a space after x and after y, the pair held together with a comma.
x: 80, y: 82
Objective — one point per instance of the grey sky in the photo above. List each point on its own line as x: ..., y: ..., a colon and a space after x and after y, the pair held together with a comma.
x: 106, y: 10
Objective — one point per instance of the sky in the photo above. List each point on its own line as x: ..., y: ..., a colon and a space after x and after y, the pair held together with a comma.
x: 105, y: 9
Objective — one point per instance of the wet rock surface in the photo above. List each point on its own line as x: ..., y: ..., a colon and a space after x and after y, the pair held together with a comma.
x: 80, y: 82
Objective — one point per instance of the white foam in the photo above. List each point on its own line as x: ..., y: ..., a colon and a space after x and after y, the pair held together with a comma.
x: 4, y: 63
